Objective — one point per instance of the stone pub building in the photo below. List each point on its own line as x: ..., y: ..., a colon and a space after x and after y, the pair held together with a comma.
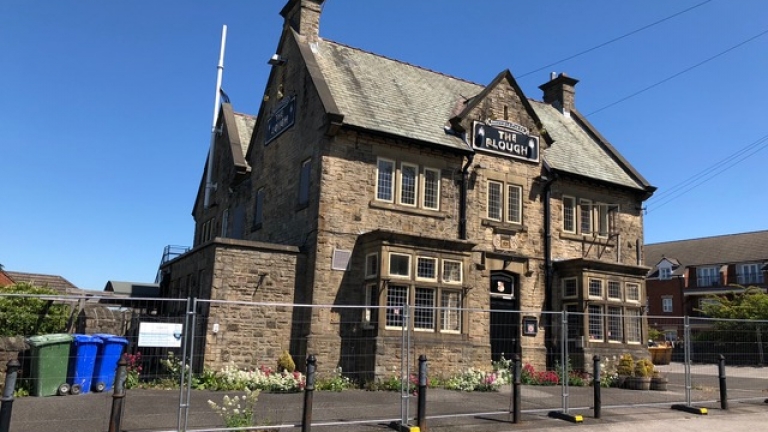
x: 367, y: 181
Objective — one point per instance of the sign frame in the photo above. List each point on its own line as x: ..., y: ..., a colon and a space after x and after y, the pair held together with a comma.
x: 487, y: 137
x: 282, y: 119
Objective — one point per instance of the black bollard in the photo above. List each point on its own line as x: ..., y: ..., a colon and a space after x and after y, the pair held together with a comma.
x: 118, y: 395
x: 517, y: 373
x: 421, y: 415
x: 11, y: 370
x: 596, y: 384
x: 723, y: 388
x: 309, y: 390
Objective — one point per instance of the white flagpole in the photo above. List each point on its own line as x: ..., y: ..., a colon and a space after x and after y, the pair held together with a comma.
x: 209, y: 186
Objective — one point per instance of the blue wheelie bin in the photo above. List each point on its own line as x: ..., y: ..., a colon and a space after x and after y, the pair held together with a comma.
x: 106, y: 361
x: 82, y: 362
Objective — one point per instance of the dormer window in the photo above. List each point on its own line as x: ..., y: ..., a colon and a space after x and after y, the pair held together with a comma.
x: 665, y: 273
x: 707, y: 276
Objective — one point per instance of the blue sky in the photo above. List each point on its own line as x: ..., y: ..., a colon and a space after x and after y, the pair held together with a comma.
x: 106, y: 107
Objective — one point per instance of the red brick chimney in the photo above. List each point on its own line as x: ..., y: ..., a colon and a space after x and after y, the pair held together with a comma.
x: 560, y: 93
x: 304, y: 17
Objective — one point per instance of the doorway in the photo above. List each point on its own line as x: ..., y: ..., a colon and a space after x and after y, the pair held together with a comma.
x: 505, y: 316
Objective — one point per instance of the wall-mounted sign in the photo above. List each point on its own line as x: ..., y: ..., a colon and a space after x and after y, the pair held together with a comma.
x: 160, y: 335
x: 506, y: 139
x: 530, y: 326
x: 281, y: 120
x: 503, y: 286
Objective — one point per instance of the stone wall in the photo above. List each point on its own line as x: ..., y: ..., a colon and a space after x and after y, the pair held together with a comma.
x: 239, y: 326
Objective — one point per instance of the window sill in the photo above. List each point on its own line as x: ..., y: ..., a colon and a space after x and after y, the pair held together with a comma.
x: 408, y: 210
x: 504, y: 227
x: 589, y: 238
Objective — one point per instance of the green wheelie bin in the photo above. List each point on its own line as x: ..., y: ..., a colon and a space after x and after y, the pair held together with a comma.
x: 48, y: 364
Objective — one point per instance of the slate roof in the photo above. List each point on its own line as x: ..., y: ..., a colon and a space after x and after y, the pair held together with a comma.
x: 245, y: 124
x: 385, y: 95
x: 576, y: 152
x: 133, y: 289
x: 377, y: 93
x: 749, y: 247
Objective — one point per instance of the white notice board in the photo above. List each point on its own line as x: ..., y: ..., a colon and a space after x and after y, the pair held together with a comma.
x: 160, y: 335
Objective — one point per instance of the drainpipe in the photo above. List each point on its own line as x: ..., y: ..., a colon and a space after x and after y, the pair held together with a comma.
x: 548, y: 268
x: 547, y: 190
x: 463, y: 198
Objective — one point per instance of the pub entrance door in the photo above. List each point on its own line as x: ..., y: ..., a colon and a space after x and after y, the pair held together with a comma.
x: 505, y: 316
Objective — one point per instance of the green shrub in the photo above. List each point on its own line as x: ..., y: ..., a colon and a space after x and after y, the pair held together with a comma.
x: 29, y: 316
x: 285, y: 363
x: 643, y: 368
x: 626, y: 365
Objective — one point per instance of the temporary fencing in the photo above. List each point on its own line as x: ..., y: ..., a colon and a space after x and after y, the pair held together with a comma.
x: 188, y: 354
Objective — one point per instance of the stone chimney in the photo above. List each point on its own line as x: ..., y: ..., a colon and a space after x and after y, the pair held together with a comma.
x: 303, y: 16
x: 560, y: 93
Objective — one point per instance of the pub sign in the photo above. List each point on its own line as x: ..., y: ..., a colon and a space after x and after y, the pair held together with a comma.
x: 506, y: 139
x: 281, y: 120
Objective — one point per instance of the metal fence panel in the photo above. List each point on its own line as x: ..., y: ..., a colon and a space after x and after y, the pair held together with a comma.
x: 185, y: 354
x: 35, y: 328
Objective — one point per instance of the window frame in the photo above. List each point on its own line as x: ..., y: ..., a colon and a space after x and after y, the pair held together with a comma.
x: 378, y: 191
x: 375, y: 272
x: 749, y: 277
x: 424, y: 309
x: 500, y: 205
x: 613, y: 319
x: 634, y: 323
x: 444, y: 310
x: 305, y: 172
x: 617, y: 285
x: 389, y: 267
x: 518, y: 202
x: 435, y: 268
x: 665, y: 273
x: 390, y: 309
x: 585, y: 209
x: 401, y: 184
x: 589, y: 288
x: 628, y: 291
x: 667, y: 305
x: 424, y: 188
x: 564, y: 291
x: 369, y: 301
x: 443, y: 272
x: 600, y: 316
x: 573, y: 218
x: 705, y: 279
x: 602, y: 215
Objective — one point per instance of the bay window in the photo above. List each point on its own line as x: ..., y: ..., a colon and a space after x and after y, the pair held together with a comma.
x: 432, y: 292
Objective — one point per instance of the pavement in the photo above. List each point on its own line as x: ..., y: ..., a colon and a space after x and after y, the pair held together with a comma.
x: 155, y: 410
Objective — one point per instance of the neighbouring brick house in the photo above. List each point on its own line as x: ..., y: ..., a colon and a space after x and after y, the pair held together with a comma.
x: 372, y: 182
x: 684, y: 273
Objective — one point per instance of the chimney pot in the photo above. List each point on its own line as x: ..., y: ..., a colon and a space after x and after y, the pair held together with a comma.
x: 560, y: 92
x: 303, y: 16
